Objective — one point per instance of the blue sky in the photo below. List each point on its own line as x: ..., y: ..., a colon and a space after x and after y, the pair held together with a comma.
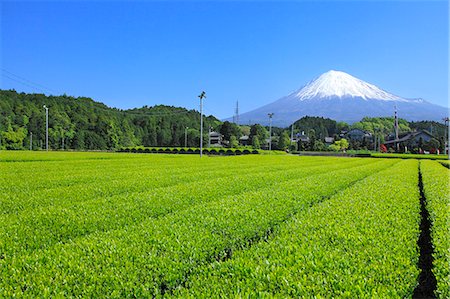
x: 130, y: 54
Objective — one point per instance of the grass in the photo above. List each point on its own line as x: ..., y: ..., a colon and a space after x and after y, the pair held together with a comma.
x: 113, y: 225
x: 410, y: 156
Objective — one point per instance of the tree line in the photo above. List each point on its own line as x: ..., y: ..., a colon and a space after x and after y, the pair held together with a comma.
x: 83, y: 124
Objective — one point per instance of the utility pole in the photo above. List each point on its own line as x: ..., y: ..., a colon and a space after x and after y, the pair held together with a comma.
x: 46, y: 128
x: 376, y: 136
x: 447, y: 136
x: 62, y: 145
x: 375, y: 139
x: 292, y: 132
x: 379, y: 143
x: 270, y: 130
x: 209, y: 136
x: 396, y: 128
x: 185, y: 136
x: 201, y: 96
x: 31, y: 141
x: 237, y: 112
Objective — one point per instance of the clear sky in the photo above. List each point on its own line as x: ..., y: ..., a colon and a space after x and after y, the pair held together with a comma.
x: 133, y: 53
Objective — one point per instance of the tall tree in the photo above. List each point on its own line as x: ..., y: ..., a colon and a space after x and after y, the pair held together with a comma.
x: 259, y: 132
x: 283, y: 141
x: 228, y: 129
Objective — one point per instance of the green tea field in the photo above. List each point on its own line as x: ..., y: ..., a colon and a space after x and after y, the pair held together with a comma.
x: 114, y: 225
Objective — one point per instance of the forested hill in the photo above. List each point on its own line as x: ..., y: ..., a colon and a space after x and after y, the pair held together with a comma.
x: 87, y: 125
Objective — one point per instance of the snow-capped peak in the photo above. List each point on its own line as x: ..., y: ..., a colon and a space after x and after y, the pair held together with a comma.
x: 339, y: 84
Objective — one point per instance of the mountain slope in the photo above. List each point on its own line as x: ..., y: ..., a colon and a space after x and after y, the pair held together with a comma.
x: 342, y: 97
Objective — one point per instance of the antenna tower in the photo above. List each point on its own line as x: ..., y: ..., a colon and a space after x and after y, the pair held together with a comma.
x: 236, y: 111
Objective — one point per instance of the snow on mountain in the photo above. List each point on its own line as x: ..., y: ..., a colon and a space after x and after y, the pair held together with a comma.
x: 340, y: 84
x: 342, y: 97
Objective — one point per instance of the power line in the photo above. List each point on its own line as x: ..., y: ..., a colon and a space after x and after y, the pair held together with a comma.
x: 26, y: 81
x: 211, y: 112
x: 42, y: 88
x: 153, y: 114
x: 119, y: 110
x: 23, y: 83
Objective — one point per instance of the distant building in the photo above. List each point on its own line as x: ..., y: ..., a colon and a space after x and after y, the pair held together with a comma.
x: 358, y: 135
x: 301, y: 137
x: 215, y: 138
x: 409, y: 139
x: 244, y: 140
x: 265, y: 144
x: 329, y: 140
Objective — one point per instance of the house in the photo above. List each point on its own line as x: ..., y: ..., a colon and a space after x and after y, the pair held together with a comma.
x: 267, y: 141
x: 215, y: 138
x: 358, y: 135
x: 301, y: 137
x: 329, y: 140
x: 409, y: 140
x: 244, y: 140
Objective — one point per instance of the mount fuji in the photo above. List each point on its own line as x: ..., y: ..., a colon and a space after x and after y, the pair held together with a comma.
x: 342, y: 97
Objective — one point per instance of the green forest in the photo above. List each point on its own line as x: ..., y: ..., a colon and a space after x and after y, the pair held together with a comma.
x: 83, y: 124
